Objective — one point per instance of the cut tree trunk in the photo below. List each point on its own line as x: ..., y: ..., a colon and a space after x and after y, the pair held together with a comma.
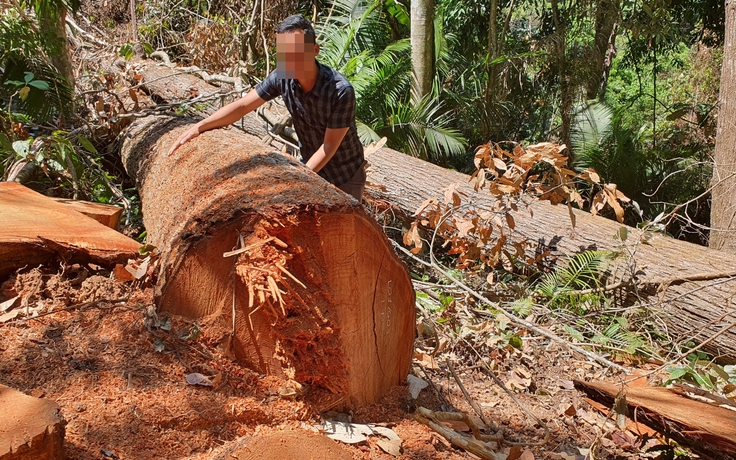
x: 699, y: 309
x: 31, y: 429
x: 692, y: 285
x: 35, y: 229
x: 316, y: 291
x: 708, y: 430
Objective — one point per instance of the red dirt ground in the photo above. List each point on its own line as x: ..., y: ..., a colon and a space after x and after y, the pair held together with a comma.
x: 124, y: 399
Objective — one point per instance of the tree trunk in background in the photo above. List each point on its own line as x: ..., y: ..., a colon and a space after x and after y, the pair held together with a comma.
x: 493, y: 53
x: 318, y: 296
x: 422, y: 45
x: 55, y: 22
x: 566, y: 88
x: 723, y: 208
x: 697, y: 284
x: 605, y: 20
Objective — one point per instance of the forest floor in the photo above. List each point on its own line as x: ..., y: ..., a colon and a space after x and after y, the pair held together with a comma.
x: 117, y: 370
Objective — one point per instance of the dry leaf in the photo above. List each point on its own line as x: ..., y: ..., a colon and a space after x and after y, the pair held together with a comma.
x: 8, y: 304
x: 464, y: 226
x: 122, y: 273
x: 426, y: 360
x: 349, y: 433
x: 8, y: 316
x: 138, y: 268
x: 570, y: 411
x: 198, y: 379
x: 416, y: 385
x: 412, y: 238
x: 527, y: 455
x: 514, y: 453
x: 390, y: 441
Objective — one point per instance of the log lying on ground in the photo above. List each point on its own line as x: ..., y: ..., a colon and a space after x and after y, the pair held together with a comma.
x: 697, y: 283
x: 707, y: 429
x: 318, y: 294
x: 693, y: 285
x: 35, y: 229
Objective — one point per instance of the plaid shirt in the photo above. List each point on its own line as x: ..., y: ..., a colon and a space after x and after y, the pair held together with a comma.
x: 330, y: 104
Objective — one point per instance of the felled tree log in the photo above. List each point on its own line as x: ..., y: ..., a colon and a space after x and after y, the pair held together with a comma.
x: 32, y: 428
x: 708, y: 430
x: 35, y: 229
x: 317, y: 293
x: 693, y: 286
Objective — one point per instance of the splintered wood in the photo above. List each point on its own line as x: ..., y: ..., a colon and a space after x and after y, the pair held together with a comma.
x: 304, y: 340
x: 261, y: 266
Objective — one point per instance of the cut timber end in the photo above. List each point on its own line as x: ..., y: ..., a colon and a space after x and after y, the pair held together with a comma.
x: 34, y: 229
x: 106, y: 214
x: 342, y: 318
x: 31, y: 428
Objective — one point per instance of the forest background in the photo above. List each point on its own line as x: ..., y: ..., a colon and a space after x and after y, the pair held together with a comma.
x: 631, y: 87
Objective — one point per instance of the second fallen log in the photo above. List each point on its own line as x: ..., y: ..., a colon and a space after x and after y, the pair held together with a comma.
x: 308, y: 281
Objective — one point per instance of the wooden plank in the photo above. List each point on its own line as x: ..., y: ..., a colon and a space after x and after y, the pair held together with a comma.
x: 31, y: 428
x: 106, y: 214
x: 707, y: 429
x: 35, y: 229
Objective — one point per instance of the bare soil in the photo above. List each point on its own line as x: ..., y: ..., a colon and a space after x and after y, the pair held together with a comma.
x: 98, y: 357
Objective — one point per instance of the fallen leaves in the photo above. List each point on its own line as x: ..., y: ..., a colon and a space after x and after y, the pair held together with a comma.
x: 355, y: 433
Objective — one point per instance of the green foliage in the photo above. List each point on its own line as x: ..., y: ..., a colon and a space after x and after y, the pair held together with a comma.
x: 24, y: 51
x: 701, y: 371
x: 357, y: 41
x: 583, y: 271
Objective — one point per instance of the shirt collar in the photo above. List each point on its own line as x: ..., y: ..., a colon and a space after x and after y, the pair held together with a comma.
x: 322, y: 79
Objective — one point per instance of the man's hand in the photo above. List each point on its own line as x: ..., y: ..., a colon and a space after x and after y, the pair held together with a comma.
x: 190, y: 133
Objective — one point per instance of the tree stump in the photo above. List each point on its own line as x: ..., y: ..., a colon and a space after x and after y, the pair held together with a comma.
x: 305, y: 278
x: 31, y: 428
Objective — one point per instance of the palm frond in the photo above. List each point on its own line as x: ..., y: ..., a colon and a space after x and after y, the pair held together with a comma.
x: 583, y: 271
x: 593, y: 125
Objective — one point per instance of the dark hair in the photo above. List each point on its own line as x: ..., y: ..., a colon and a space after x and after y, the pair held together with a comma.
x: 297, y: 22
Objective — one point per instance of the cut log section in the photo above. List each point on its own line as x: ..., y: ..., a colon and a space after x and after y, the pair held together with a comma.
x: 693, y: 285
x: 316, y: 291
x: 106, y: 214
x: 707, y: 429
x: 35, y: 229
x: 31, y: 428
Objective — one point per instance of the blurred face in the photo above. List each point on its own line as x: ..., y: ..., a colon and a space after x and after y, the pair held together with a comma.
x: 294, y: 54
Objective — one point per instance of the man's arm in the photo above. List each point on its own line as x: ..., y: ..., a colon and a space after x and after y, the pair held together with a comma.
x: 333, y: 138
x: 224, y: 116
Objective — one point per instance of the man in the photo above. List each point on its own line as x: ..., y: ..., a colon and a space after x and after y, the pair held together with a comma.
x: 321, y: 103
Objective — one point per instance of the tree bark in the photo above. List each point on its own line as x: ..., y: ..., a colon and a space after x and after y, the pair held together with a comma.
x: 318, y: 295
x: 422, y: 45
x: 723, y: 196
x: 605, y: 20
x: 691, y: 286
x: 709, y: 430
x: 55, y: 22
